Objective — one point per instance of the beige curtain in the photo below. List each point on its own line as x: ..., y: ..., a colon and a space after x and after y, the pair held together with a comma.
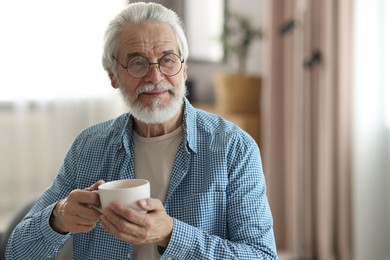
x: 34, y: 138
x: 307, y: 133
x: 51, y: 92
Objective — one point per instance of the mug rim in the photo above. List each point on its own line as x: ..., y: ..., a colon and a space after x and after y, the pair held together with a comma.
x: 108, y: 185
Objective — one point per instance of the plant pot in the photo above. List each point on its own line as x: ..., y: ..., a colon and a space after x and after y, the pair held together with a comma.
x: 237, y: 93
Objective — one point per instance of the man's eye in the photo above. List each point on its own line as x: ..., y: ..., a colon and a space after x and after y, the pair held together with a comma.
x: 137, y: 62
x: 168, y: 60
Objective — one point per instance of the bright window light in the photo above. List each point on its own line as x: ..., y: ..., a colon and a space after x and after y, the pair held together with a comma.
x: 372, y: 61
x: 203, y: 34
x: 52, y: 49
x: 386, y: 31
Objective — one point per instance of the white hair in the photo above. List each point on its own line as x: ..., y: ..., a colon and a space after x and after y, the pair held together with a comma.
x: 136, y: 13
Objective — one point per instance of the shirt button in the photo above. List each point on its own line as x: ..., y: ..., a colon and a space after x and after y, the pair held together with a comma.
x: 169, y: 258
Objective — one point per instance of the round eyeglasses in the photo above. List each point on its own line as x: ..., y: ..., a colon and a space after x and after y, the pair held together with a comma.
x: 170, y: 65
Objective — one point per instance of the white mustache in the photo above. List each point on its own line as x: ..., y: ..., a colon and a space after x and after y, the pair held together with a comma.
x: 150, y: 87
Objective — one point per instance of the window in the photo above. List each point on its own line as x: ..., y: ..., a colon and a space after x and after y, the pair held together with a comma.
x: 386, y: 57
x: 204, y: 24
x: 52, y: 49
x: 372, y: 55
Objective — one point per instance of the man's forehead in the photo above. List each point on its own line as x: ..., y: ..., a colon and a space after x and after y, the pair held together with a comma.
x: 147, y: 37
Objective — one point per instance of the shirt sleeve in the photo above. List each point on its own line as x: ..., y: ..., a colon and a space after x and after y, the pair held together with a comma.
x: 33, y: 237
x: 39, y: 242
x: 249, y: 220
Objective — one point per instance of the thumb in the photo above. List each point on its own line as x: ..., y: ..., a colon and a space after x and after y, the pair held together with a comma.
x: 95, y: 185
x: 150, y: 204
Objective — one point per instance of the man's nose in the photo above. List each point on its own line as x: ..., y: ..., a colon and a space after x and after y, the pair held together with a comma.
x: 154, y: 74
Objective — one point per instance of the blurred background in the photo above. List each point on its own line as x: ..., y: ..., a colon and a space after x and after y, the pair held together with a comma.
x: 319, y: 108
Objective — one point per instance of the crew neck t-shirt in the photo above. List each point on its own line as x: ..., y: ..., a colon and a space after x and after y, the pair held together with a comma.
x: 154, y: 157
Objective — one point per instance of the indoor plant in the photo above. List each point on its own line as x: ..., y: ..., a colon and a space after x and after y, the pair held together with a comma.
x: 237, y: 37
x: 238, y: 91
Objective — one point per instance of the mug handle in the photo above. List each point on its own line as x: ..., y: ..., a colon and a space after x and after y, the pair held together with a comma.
x: 93, y: 206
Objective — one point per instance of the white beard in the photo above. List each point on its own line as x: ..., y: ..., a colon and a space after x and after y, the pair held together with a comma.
x: 155, y: 113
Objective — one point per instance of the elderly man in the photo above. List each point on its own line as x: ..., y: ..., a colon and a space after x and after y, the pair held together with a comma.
x: 207, y: 185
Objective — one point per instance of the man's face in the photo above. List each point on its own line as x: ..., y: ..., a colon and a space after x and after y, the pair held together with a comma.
x: 154, y: 98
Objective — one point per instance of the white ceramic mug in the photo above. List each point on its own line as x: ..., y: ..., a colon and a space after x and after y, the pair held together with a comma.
x: 127, y: 191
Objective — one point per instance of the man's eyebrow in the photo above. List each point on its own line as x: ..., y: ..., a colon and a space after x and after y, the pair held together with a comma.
x: 169, y: 52
x: 135, y: 54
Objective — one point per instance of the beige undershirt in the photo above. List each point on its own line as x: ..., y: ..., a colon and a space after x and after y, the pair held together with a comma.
x: 154, y: 157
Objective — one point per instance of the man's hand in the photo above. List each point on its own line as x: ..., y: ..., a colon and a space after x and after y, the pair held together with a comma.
x: 73, y: 214
x: 136, y: 227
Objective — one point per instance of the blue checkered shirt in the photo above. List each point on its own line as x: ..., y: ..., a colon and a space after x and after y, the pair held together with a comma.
x: 216, y: 195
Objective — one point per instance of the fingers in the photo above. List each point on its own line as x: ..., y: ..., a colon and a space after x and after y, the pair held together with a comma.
x: 77, y: 204
x: 95, y: 185
x: 123, y: 229
x: 76, y: 218
x: 136, y: 227
x: 74, y: 214
x: 123, y: 212
x: 75, y: 224
x: 150, y: 204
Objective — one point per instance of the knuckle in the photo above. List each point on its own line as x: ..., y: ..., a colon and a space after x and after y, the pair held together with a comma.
x: 147, y: 223
x: 121, y: 225
x: 73, y: 194
x: 119, y: 235
x: 64, y: 212
x: 67, y: 210
x: 144, y: 236
x: 128, y: 214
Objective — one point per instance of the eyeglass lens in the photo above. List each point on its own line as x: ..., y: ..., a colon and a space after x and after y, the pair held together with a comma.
x: 169, y: 64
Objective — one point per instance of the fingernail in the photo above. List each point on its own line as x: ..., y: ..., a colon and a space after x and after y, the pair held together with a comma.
x: 143, y: 203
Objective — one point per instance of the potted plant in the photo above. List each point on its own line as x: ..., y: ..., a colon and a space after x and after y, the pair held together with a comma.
x: 238, y: 91
x: 237, y: 37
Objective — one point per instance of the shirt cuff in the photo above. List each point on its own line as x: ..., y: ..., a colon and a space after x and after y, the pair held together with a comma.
x: 48, y: 233
x: 181, y: 241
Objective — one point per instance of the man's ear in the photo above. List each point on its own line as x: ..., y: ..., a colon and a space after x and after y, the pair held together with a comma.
x: 114, y: 82
x: 185, y: 71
